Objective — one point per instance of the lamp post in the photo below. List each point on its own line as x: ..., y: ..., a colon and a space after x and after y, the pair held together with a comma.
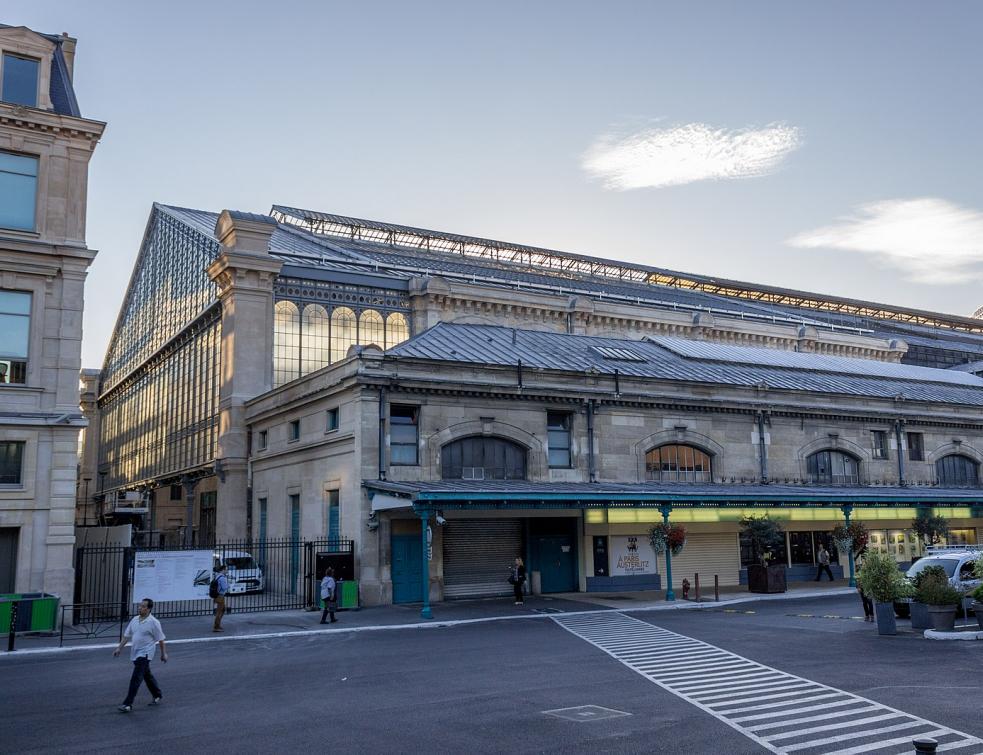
x: 425, y: 535
x: 847, y: 510
x: 670, y: 595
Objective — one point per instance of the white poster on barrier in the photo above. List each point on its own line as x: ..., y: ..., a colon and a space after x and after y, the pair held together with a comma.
x: 631, y: 554
x: 172, y: 575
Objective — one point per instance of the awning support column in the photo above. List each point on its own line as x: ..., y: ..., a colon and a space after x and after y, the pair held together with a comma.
x: 425, y: 612
x: 670, y: 595
x: 847, y: 509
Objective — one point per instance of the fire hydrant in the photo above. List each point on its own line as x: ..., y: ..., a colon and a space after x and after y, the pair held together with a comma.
x: 685, y: 589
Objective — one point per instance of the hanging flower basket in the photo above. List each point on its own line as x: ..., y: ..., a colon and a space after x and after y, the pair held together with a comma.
x: 853, y: 538
x: 671, y: 537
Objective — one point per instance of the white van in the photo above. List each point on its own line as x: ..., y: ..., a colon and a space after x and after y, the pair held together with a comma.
x: 958, y: 562
x: 243, y: 573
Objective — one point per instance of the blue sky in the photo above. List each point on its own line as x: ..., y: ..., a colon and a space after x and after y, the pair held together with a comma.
x: 831, y: 147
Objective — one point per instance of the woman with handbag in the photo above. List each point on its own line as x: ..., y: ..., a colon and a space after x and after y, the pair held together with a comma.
x: 517, y: 577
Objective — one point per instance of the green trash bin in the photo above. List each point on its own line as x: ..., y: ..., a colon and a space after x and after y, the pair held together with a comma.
x: 36, y: 612
x: 349, y: 594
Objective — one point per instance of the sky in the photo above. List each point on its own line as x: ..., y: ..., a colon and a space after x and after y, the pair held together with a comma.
x: 831, y: 147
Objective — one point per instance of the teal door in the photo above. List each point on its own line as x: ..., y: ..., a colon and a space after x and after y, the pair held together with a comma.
x: 407, y: 569
x: 558, y: 564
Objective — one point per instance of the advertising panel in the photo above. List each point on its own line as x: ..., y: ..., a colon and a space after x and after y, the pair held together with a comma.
x: 172, y: 575
x: 630, y: 555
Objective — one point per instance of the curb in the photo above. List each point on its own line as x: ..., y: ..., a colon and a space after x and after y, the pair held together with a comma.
x: 935, y: 634
x: 438, y: 624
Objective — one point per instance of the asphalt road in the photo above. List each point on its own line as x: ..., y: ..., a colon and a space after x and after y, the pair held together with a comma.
x: 473, y: 688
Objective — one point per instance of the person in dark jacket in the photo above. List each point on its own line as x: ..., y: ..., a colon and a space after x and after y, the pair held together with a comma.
x: 518, y: 578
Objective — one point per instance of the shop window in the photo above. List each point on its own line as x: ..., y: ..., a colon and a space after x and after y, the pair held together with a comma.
x: 483, y: 458
x: 11, y: 462
x: 15, y: 331
x: 961, y: 537
x: 20, y: 80
x: 678, y: 463
x: 878, y: 444
x: 833, y: 468
x: 957, y: 471
x: 916, y: 447
x: 778, y: 555
x: 801, y: 548
x: 332, y: 420
x: 404, y: 435
x: 558, y: 432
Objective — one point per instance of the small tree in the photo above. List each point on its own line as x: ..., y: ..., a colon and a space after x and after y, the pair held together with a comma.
x: 931, y: 529
x: 880, y: 578
x: 765, y: 535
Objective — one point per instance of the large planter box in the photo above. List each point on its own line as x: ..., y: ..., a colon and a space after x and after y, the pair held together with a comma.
x: 978, y: 610
x: 886, y: 623
x: 943, y: 617
x: 920, y: 619
x: 766, y: 579
x: 36, y: 612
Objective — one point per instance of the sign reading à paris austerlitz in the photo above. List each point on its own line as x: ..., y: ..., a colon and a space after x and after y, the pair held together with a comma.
x: 630, y: 555
x: 172, y: 575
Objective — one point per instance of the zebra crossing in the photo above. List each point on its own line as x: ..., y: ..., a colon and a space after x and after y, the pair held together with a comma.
x: 782, y: 712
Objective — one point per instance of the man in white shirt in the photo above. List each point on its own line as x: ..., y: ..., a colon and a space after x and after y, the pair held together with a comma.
x: 145, y: 632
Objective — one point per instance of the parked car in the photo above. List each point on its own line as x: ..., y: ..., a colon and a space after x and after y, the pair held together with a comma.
x: 957, y: 560
x: 244, y: 574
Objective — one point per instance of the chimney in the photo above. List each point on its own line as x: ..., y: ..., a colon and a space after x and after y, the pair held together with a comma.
x: 68, y: 50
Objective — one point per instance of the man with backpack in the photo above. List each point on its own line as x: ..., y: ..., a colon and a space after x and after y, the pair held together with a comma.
x: 216, y: 591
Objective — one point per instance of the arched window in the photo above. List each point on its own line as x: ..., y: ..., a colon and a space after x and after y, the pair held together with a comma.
x: 397, y: 330
x: 343, y: 332
x: 957, y: 471
x: 286, y: 342
x: 371, y: 329
x: 483, y: 458
x: 315, y: 352
x: 677, y: 463
x: 833, y: 468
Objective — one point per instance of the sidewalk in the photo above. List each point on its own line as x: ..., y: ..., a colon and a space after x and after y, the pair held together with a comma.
x: 240, y: 626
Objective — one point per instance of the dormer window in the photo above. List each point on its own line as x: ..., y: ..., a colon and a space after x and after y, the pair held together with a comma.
x: 19, y: 80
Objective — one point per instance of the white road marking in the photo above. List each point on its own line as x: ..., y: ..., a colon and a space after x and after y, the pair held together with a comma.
x: 726, y: 685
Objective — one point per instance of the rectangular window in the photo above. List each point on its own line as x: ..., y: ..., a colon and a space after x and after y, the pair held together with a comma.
x: 332, y: 421
x: 175, y: 492
x: 261, y: 441
x: 15, y: 332
x: 333, y: 515
x: 916, y: 447
x: 294, y: 431
x: 878, y: 441
x: 20, y: 80
x: 11, y: 462
x: 403, y: 435
x: 558, y: 431
x: 18, y: 191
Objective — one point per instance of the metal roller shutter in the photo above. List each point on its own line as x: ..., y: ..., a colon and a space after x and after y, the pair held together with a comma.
x: 707, y: 554
x: 478, y: 554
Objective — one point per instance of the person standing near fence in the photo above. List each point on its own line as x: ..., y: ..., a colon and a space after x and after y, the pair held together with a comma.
x: 217, y: 591
x: 329, y: 594
x: 145, y: 633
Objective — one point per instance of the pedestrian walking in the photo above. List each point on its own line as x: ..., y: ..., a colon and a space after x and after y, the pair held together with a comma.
x: 517, y: 577
x: 217, y: 591
x: 823, y: 564
x: 144, y: 633
x: 329, y: 595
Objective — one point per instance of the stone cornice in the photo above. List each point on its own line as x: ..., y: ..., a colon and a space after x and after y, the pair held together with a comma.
x: 54, y: 124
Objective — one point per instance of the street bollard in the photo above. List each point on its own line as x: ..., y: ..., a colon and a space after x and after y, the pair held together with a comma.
x: 697, y: 587
x: 13, y: 626
x: 716, y: 587
x: 924, y: 745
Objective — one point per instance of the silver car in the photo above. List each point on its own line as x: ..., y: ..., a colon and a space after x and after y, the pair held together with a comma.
x: 958, y: 562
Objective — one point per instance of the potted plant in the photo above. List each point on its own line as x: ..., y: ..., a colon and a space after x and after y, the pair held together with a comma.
x: 880, y: 579
x: 765, y: 535
x: 931, y: 529
x: 943, y: 600
x: 920, y: 618
x: 849, y: 539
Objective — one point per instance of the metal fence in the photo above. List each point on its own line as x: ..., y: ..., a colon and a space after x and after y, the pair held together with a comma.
x: 263, y: 575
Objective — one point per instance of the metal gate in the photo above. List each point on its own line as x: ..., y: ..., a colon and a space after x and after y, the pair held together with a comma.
x: 478, y: 554
x: 264, y: 575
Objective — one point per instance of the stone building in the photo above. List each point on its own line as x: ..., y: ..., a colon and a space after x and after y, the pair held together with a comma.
x: 449, y: 402
x: 45, y: 147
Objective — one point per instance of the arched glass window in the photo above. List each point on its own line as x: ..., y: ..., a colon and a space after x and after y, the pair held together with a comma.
x: 371, y: 329
x: 315, y: 347
x: 483, y: 458
x: 833, y: 468
x: 957, y: 471
x: 397, y: 330
x: 343, y: 332
x: 286, y: 342
x: 677, y: 463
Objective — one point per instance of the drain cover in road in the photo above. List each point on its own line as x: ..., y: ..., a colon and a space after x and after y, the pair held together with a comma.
x: 586, y: 713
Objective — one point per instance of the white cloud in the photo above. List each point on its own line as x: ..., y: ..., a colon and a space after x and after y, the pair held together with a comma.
x: 929, y: 239
x: 687, y: 153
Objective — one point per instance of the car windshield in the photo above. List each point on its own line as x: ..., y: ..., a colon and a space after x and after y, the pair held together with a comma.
x: 240, y: 562
x: 949, y: 564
